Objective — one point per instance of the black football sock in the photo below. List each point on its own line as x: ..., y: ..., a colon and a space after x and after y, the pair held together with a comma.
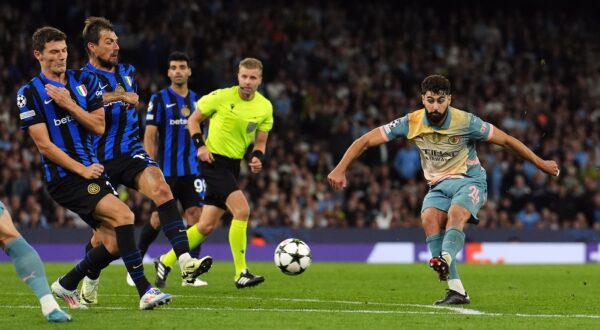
x: 172, y: 225
x: 132, y: 258
x: 95, y: 260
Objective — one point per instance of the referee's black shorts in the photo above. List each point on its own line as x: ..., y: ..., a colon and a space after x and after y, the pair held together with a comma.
x: 221, y: 179
x: 80, y: 195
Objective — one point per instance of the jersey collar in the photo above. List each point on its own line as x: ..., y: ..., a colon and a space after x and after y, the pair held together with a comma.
x: 53, y: 82
x: 92, y: 68
x: 175, y: 93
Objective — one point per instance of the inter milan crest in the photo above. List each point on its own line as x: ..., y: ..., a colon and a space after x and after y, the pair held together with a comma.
x: 185, y: 111
x: 93, y: 189
x: 119, y: 88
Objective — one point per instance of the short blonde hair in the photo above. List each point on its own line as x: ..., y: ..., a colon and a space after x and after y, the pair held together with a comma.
x: 251, y: 63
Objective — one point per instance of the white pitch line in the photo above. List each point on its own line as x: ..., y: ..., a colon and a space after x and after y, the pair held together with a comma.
x: 306, y: 310
x: 459, y: 310
x: 282, y: 310
x: 455, y: 310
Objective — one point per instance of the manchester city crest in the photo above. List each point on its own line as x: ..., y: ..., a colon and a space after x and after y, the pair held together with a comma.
x: 454, y: 140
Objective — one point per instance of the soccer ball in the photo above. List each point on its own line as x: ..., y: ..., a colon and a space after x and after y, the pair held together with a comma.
x: 292, y: 256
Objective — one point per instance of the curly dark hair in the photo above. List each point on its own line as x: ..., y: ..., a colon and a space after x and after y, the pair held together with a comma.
x: 437, y: 84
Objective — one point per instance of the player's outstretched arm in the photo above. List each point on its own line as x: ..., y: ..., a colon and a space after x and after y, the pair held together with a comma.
x: 39, y: 134
x: 504, y: 140
x: 337, y: 177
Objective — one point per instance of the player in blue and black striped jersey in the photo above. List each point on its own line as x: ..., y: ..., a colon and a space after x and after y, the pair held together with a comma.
x: 120, y: 148
x: 61, y: 110
x: 168, y: 112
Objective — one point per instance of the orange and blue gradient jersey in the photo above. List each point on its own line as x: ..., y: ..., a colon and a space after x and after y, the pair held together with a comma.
x: 447, y: 151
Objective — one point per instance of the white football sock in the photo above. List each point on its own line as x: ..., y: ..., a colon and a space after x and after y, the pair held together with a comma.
x: 48, y: 304
x: 456, y: 285
x: 447, y: 257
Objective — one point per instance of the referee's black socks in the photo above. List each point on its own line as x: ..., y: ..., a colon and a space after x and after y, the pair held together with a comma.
x: 172, y: 225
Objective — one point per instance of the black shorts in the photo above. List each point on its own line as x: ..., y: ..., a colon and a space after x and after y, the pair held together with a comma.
x: 124, y: 169
x: 189, y: 190
x: 221, y: 179
x: 81, y: 195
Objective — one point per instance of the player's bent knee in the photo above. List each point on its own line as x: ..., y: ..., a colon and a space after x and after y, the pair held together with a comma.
x: 123, y: 217
x: 431, y: 224
x: 241, y: 213
x: 458, y: 216
x: 192, y: 215
x: 161, y: 193
x: 206, y: 228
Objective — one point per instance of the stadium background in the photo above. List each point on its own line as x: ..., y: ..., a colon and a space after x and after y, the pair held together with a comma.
x: 333, y: 71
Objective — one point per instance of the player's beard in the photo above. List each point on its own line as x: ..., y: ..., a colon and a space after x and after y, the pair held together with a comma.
x: 436, y: 118
x: 107, y: 63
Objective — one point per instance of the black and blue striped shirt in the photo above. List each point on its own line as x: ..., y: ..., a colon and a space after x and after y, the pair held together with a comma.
x: 122, y: 135
x: 170, y: 111
x: 35, y: 107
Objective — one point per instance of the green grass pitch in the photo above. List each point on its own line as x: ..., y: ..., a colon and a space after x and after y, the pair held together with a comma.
x: 331, y: 296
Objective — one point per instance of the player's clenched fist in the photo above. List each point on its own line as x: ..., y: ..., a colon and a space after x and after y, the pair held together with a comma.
x: 93, y: 171
x: 337, y: 180
x: 60, y: 95
x: 204, y: 155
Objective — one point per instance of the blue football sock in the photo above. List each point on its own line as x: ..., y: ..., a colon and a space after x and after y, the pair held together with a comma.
x: 454, y: 241
x: 434, y: 243
x: 29, y: 266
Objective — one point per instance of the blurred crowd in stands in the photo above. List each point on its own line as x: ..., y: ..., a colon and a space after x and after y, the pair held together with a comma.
x: 334, y: 71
